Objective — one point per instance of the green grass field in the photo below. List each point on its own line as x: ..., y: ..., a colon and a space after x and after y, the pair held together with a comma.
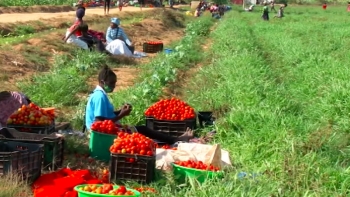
x: 280, y: 92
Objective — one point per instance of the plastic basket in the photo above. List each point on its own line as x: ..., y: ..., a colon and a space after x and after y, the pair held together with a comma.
x: 142, y: 170
x: 172, y: 128
x: 21, y: 158
x: 53, y: 145
x: 100, y: 144
x: 34, y: 129
x: 152, y: 48
x: 82, y: 193
x: 181, y: 173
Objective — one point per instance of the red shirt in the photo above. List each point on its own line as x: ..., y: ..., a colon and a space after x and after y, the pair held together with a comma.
x: 78, y: 32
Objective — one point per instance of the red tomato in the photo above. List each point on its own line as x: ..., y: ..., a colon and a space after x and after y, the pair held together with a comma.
x: 170, y: 109
x: 197, y: 165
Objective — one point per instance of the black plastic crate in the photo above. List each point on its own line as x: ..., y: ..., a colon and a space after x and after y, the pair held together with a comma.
x: 152, y: 48
x: 53, y: 145
x: 142, y: 170
x: 20, y: 158
x: 172, y: 128
x: 34, y: 129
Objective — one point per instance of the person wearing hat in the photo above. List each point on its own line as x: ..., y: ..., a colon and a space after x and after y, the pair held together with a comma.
x: 115, y: 32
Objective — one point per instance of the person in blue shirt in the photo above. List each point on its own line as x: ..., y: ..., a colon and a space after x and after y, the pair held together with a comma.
x: 99, y: 108
x: 114, y: 32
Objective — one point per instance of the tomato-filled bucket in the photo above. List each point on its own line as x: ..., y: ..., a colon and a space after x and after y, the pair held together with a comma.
x: 201, y: 176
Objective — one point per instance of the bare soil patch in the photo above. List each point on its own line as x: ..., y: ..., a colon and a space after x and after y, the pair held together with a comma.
x: 35, y: 9
x: 36, y: 54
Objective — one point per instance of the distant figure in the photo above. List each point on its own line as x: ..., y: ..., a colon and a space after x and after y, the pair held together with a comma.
x: 324, y: 6
x: 272, y: 4
x: 107, y: 5
x: 280, y: 12
x: 349, y: 6
x: 265, y: 14
x: 250, y: 9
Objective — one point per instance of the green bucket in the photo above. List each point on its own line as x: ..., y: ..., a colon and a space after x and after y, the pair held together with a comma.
x: 200, y: 175
x: 100, y: 144
x: 82, y: 193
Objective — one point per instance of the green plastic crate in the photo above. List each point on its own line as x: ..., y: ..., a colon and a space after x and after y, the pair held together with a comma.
x: 200, y: 175
x: 82, y: 193
x: 99, y: 145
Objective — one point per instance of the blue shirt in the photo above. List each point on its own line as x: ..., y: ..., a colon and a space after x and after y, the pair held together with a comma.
x: 112, y: 35
x: 98, y: 106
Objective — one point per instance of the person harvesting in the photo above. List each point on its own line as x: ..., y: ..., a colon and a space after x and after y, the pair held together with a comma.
x: 99, y: 108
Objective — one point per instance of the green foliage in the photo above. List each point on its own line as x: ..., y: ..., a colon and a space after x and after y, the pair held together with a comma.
x: 35, y: 2
x: 60, y: 86
x: 163, y: 70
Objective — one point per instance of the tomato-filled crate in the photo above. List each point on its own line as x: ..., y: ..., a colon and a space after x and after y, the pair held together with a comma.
x: 45, y: 129
x: 128, y: 167
x: 152, y: 46
x: 171, y: 128
x: 53, y: 145
x: 171, y: 116
x: 20, y: 158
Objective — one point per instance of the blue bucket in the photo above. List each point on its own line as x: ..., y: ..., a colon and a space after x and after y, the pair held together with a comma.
x: 168, y: 51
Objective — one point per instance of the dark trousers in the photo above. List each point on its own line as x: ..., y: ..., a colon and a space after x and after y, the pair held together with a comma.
x: 155, y: 135
x: 88, y: 39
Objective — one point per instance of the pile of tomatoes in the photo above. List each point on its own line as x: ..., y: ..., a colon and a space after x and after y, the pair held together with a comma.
x: 107, y: 189
x: 133, y: 144
x: 106, y: 126
x: 155, y: 42
x: 171, y: 109
x: 31, y: 115
x: 197, y: 165
x: 166, y: 147
x: 145, y: 189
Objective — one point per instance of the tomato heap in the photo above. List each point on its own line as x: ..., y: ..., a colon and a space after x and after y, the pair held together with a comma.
x: 166, y: 147
x: 31, y: 115
x: 171, y: 109
x: 133, y: 144
x: 145, y: 189
x: 107, y: 189
x: 197, y: 165
x: 106, y: 126
x: 155, y: 42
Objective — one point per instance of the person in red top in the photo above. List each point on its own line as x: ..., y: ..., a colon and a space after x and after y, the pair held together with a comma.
x: 75, y: 31
x: 324, y: 6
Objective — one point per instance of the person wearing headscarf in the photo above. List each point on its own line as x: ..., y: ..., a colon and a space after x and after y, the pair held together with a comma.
x: 9, y: 103
x: 118, y: 43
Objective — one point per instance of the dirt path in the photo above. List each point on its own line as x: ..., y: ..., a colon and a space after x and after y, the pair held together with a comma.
x: 24, y: 17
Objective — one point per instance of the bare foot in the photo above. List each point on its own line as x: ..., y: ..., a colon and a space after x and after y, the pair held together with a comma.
x: 186, y: 136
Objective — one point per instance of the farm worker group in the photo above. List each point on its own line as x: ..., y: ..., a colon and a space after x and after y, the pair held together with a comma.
x: 116, y: 41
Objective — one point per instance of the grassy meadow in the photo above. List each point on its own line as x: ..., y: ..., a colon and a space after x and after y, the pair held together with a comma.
x: 279, y: 90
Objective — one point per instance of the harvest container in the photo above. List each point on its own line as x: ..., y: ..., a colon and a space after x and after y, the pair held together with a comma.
x: 82, y: 193
x: 34, y: 129
x: 53, y: 145
x: 142, y: 170
x: 99, y: 145
x: 152, y: 48
x: 181, y: 173
x: 21, y: 158
x: 171, y: 128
